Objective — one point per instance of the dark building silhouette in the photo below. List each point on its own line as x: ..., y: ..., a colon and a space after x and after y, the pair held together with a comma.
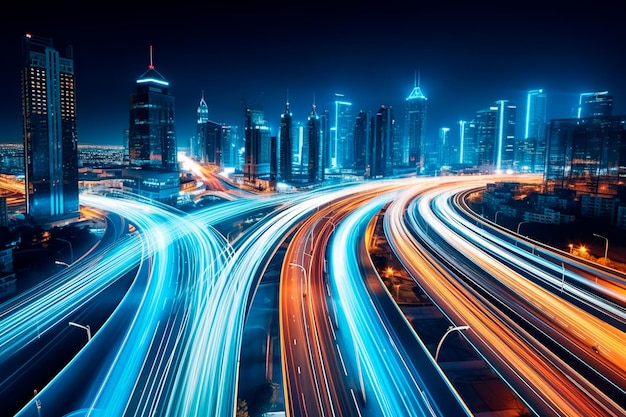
x: 50, y: 131
x: 325, y: 137
x: 380, y: 143
x: 315, y: 168
x: 285, y: 145
x: 416, y: 112
x: 361, y: 135
x: 153, y: 170
x: 587, y: 155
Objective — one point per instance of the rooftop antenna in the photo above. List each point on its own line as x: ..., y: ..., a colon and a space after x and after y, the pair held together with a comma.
x: 151, y: 66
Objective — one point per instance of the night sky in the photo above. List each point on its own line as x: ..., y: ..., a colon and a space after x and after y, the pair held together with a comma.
x: 262, y: 54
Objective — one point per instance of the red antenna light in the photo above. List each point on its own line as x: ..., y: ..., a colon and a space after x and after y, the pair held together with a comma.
x: 151, y: 66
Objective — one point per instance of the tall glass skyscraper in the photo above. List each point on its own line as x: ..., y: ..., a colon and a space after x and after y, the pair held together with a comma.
x: 533, y: 149
x: 285, y: 145
x: 50, y: 132
x: 416, y: 127
x: 343, y: 152
x: 315, y: 168
x: 151, y: 135
x: 587, y: 155
x: 598, y: 104
x: 153, y: 169
x: 505, y: 139
x: 380, y: 150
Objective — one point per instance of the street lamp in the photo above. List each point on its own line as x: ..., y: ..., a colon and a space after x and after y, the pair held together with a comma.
x: 521, y: 223
x: 84, y: 328
x: 71, y: 248
x: 606, y: 245
x: 495, y: 217
x: 571, y: 248
x: 305, y: 276
x: 450, y: 329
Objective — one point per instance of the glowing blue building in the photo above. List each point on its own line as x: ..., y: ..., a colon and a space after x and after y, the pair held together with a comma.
x: 50, y: 132
x: 416, y: 127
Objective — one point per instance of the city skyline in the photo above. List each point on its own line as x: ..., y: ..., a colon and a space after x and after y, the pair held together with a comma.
x: 467, y: 59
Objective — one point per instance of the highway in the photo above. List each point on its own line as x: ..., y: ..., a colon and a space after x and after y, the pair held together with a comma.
x: 172, y: 345
x: 473, y: 287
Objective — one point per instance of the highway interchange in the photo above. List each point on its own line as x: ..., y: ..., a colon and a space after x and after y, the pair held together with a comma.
x: 551, y: 325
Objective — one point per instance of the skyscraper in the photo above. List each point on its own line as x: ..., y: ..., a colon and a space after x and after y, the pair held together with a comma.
x: 50, y: 131
x: 197, y: 148
x: 343, y: 149
x: 595, y: 104
x: 416, y: 125
x: 285, y: 145
x: 315, y: 171
x: 380, y: 150
x: 485, y: 138
x: 505, y: 139
x: 361, y: 134
x: 533, y: 148
x: 153, y: 155
x: 587, y: 155
x: 256, y: 171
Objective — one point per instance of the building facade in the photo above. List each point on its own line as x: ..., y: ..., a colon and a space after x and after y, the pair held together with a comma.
x: 153, y: 169
x: 416, y: 108
x: 50, y: 131
x: 285, y: 146
x: 342, y: 151
x: 587, y: 155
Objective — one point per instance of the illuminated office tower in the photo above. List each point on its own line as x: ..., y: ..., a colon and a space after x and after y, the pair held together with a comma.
x: 467, y: 145
x: 416, y: 127
x: 587, y: 155
x: 197, y: 149
x: 505, y: 137
x: 445, y: 148
x: 380, y: 143
x: 153, y: 155
x: 485, y: 138
x: 598, y: 104
x: 210, y: 138
x: 285, y: 145
x: 257, y: 148
x: 315, y: 169
x: 361, y: 133
x: 50, y: 132
x: 343, y: 146
x: 532, y: 149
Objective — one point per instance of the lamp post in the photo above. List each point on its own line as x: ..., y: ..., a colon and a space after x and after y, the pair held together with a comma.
x: 71, y: 248
x: 571, y: 248
x: 86, y: 328
x: 305, y: 276
x: 521, y: 223
x: 495, y: 217
x: 606, y: 245
x: 450, y: 329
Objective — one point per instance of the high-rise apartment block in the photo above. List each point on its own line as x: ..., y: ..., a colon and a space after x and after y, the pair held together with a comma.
x: 50, y: 131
